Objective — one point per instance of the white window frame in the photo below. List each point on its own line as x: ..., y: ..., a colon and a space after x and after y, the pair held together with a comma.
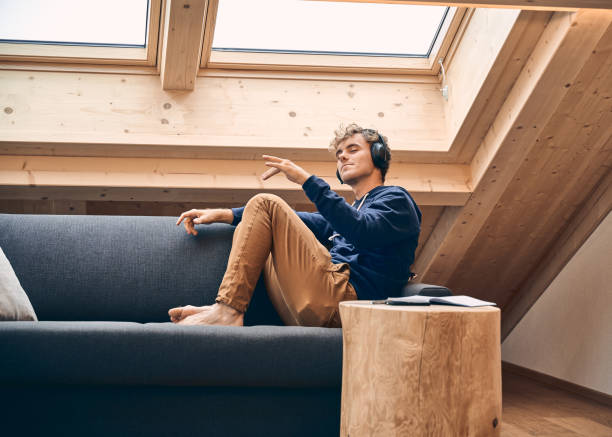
x: 211, y: 59
x: 83, y: 54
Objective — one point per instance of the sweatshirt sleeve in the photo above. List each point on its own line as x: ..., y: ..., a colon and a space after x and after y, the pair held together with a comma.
x: 237, y: 215
x: 391, y: 217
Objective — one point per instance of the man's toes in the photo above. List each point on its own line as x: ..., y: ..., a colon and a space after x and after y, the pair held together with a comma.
x: 175, y: 313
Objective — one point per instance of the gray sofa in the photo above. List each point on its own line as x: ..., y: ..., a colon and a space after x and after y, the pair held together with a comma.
x: 104, y: 359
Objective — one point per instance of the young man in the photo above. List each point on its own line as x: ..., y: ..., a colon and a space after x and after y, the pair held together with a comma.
x: 312, y: 261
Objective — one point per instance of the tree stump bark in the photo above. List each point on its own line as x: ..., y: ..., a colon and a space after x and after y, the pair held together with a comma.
x: 420, y: 370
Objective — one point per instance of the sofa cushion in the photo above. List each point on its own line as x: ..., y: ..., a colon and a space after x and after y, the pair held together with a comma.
x: 125, y: 353
x: 120, y: 268
x: 14, y: 302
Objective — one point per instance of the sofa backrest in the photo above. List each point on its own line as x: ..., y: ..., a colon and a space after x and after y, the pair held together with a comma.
x: 122, y: 268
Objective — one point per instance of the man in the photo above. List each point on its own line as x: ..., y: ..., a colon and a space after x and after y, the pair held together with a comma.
x: 312, y: 261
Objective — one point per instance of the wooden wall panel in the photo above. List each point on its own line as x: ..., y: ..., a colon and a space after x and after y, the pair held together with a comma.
x: 572, y: 156
x: 488, y: 31
x: 165, y: 208
x: 110, y: 111
x: 43, y: 206
x: 570, y: 5
x: 582, y: 224
x: 543, y: 91
x: 491, y: 91
x: 431, y: 215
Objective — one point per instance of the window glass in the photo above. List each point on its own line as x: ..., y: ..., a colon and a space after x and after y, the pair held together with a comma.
x: 294, y: 26
x: 75, y: 22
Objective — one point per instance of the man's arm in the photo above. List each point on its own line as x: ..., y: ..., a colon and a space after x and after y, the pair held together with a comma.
x: 383, y: 222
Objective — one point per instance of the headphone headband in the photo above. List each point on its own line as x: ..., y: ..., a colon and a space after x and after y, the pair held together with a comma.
x: 380, y: 138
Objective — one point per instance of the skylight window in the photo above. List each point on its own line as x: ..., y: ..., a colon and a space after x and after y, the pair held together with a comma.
x: 335, y: 28
x: 115, y: 23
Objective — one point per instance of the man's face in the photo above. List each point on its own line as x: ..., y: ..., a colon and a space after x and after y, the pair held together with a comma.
x: 354, y: 159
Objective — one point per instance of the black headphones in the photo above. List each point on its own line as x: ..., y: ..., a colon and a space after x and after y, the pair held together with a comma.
x: 379, y: 151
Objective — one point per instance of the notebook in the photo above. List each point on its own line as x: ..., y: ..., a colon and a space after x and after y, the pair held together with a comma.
x: 461, y: 300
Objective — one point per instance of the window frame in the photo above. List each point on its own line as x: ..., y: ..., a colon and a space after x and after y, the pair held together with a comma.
x: 240, y: 60
x: 84, y: 54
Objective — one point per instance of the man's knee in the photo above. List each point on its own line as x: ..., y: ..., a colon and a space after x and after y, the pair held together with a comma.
x: 265, y: 198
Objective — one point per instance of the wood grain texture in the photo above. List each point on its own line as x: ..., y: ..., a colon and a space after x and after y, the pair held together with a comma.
x: 559, y: 5
x: 420, y: 370
x: 570, y: 159
x: 490, y: 92
x: 429, y: 185
x: 533, y: 408
x: 564, y: 247
x: 431, y: 215
x: 537, y: 96
x: 111, y: 111
x: 552, y: 381
x: 183, y: 35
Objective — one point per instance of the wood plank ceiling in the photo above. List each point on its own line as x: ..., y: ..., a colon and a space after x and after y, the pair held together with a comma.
x: 512, y: 173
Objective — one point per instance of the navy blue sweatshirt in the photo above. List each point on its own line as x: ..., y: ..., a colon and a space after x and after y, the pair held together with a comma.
x: 378, y: 241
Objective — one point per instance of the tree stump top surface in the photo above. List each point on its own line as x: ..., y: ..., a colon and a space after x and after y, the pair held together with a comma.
x: 435, y: 308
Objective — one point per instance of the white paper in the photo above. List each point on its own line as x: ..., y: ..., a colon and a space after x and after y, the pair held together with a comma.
x: 461, y: 300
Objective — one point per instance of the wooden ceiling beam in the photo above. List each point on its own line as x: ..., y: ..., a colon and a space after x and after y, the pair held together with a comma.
x: 120, y: 114
x: 535, y: 97
x: 571, y: 157
x: 537, y: 5
x: 430, y: 184
x: 182, y: 43
x: 482, y: 73
x: 593, y: 211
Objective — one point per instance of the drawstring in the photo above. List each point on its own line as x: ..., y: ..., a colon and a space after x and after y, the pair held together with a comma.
x: 363, y: 200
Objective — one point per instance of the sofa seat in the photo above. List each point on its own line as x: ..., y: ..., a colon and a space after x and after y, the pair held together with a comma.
x: 166, y: 354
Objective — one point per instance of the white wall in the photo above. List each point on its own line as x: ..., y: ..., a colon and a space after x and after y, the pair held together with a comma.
x: 567, y: 333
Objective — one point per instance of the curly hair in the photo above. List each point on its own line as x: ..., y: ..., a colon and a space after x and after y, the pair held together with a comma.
x: 370, y: 135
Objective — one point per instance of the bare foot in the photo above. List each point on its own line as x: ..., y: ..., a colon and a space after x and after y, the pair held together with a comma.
x: 219, y: 314
x: 180, y: 313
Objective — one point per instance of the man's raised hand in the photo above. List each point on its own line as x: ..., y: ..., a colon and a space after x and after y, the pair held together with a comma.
x: 294, y: 172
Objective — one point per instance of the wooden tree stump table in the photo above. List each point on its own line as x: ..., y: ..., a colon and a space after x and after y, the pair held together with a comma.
x: 420, y: 370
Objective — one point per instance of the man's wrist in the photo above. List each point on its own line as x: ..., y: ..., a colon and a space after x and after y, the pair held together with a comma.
x: 307, y: 177
x: 226, y: 216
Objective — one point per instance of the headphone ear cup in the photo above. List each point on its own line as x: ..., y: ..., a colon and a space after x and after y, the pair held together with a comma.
x: 379, y: 154
x: 339, y: 178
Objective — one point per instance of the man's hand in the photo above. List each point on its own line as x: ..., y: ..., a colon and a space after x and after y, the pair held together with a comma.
x: 198, y: 216
x: 294, y: 172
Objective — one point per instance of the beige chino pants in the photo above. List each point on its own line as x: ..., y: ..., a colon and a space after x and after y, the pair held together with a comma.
x: 303, y: 284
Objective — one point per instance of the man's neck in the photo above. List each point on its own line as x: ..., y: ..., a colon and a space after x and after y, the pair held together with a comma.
x: 364, y: 186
